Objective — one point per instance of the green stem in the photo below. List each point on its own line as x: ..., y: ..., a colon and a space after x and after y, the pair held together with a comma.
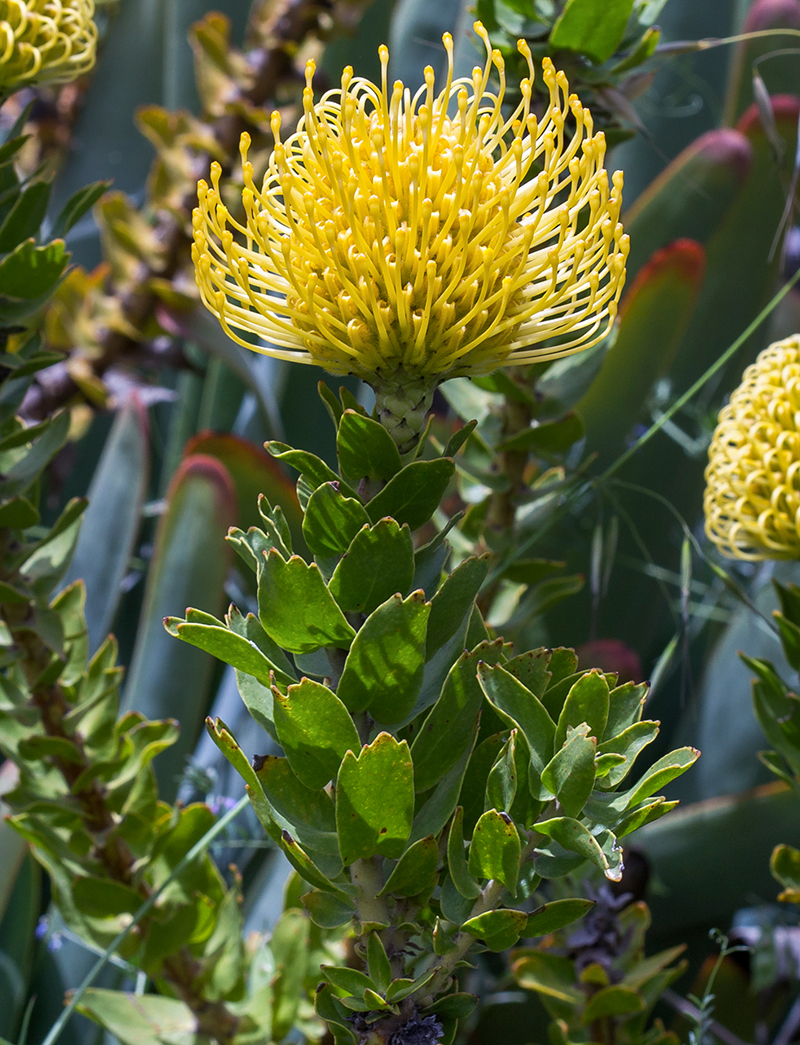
x: 370, y: 908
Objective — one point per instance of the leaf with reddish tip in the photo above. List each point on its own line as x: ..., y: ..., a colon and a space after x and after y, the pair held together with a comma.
x: 169, y: 679
x: 253, y: 472
x: 656, y: 312
x: 690, y: 197
x: 780, y: 73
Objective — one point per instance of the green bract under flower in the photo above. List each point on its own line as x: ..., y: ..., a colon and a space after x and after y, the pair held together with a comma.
x: 414, y: 238
x: 45, y: 41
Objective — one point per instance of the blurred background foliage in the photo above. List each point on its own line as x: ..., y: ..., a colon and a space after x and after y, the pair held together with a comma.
x: 167, y: 421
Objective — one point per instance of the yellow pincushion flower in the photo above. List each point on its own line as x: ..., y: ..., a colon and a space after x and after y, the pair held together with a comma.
x: 45, y: 41
x: 410, y: 239
x: 752, y: 498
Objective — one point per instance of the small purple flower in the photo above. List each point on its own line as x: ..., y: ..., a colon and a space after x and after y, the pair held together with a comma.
x: 219, y: 804
x: 41, y: 928
x: 55, y: 943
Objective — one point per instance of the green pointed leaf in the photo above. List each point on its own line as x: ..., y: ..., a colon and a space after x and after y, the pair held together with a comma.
x: 384, y: 668
x: 332, y: 520
x: 350, y: 980
x: 378, y: 564
x: 79, y: 203
x: 289, y: 944
x: 365, y: 449
x: 550, y: 975
x: 416, y: 870
x: 140, y: 1019
x: 661, y: 773
x: 625, y: 705
x: 25, y: 217
x: 380, y: 968
x: 531, y: 670
x: 495, y: 849
x: 588, y: 28
x: 629, y: 743
x: 326, y: 910
x: 517, y: 705
x: 375, y: 800
x: 499, y: 930
x: 450, y: 727
x: 551, y: 917
x: 315, y: 731
x: 455, y: 1006
x: 454, y: 600
x: 313, y: 468
x: 501, y: 785
x: 547, y: 437
x: 587, y: 701
x: 296, y: 608
x: 615, y: 1000
x: 573, y: 836
x: 229, y: 647
x: 570, y: 774
x: 456, y: 858
x: 438, y: 809
x: 29, y: 272
x: 414, y: 494
x: 305, y: 812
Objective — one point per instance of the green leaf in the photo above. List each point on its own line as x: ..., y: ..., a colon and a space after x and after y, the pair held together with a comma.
x: 547, y: 437
x: 455, y: 1006
x: 25, y: 217
x: 140, y: 1019
x: 591, y: 29
x: 587, y: 701
x: 570, y: 775
x: 332, y: 520
x: 661, y: 773
x: 365, y: 449
x: 350, y: 980
x: 517, y: 705
x: 378, y: 964
x: 625, y: 704
x: 375, y: 800
x: 456, y: 858
x: 384, y: 668
x: 289, y: 944
x: 111, y: 523
x: 531, y: 670
x: 315, y: 731
x: 449, y: 729
x: 229, y: 647
x: 454, y: 600
x: 501, y: 785
x: 378, y: 564
x: 414, y: 494
x: 615, y: 1000
x: 295, y: 607
x: 499, y: 930
x: 438, y: 809
x: 573, y: 836
x: 307, y: 813
x: 551, y: 917
x: 459, y: 438
x: 200, y: 506
x: 79, y: 203
x: 549, y: 975
x: 416, y: 870
x: 313, y: 468
x: 326, y: 910
x: 30, y: 272
x: 103, y: 898
x: 629, y: 743
x: 495, y: 849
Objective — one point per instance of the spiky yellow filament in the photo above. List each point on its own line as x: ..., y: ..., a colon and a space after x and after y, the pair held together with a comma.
x: 427, y: 235
x: 45, y: 41
x: 752, y: 498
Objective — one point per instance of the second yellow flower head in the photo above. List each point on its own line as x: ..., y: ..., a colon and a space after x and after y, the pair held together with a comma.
x: 420, y: 237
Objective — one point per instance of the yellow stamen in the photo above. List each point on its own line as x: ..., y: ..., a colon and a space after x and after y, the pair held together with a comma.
x: 409, y: 235
x: 45, y: 42
x: 752, y: 499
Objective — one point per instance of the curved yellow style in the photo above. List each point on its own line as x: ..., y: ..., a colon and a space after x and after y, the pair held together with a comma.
x: 413, y: 238
x: 45, y: 41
